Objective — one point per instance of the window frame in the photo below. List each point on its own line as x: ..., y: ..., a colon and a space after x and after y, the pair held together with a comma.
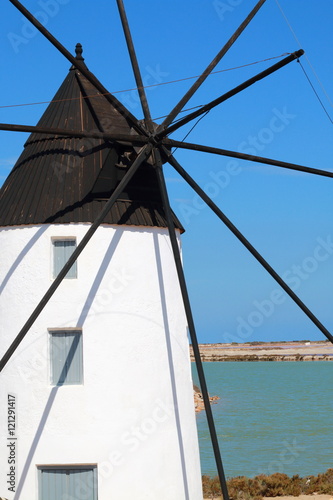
x: 74, y: 269
x: 68, y: 467
x: 52, y: 333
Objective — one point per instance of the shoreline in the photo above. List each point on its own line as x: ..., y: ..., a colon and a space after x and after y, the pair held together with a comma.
x: 267, y: 351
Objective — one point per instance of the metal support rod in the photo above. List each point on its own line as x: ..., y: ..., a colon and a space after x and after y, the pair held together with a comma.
x: 145, y: 152
x: 177, y: 109
x: 190, y: 322
x: 131, y: 139
x: 81, y: 67
x: 231, y: 93
x: 247, y: 244
x: 135, y: 65
x: 244, y: 156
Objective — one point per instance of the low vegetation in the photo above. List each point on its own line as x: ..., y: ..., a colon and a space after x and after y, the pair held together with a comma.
x: 245, y: 488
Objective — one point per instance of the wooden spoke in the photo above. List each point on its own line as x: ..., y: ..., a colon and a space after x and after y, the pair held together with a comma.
x: 190, y: 322
x: 131, y: 139
x: 145, y: 152
x: 81, y: 66
x: 231, y: 93
x: 247, y: 244
x: 244, y: 156
x: 176, y: 110
x: 135, y: 65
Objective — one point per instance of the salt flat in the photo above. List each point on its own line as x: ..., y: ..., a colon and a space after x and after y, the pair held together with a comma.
x: 267, y: 351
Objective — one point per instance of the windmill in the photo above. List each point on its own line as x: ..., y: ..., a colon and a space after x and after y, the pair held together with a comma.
x: 126, y: 187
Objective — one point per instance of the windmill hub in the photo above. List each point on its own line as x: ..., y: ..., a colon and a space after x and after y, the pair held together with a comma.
x: 154, y: 140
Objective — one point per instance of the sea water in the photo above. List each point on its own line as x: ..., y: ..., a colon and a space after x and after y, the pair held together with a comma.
x: 271, y: 417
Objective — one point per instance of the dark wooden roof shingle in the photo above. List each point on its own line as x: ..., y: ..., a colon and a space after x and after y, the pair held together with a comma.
x: 68, y: 180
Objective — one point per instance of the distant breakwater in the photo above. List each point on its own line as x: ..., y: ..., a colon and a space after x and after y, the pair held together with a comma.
x: 264, y: 357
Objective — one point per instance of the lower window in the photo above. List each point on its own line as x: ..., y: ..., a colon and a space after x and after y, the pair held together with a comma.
x: 66, y: 356
x: 67, y: 482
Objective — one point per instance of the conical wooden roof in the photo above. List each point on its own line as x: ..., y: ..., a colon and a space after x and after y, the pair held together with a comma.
x: 62, y: 180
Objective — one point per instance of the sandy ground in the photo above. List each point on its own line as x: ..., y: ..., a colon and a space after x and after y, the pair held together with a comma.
x: 301, y: 497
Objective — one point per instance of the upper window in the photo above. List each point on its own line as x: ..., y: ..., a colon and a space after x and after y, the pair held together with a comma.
x: 62, y: 250
x: 67, y: 482
x: 66, y: 356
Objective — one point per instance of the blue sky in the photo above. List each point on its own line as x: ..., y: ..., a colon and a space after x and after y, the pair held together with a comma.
x: 286, y: 215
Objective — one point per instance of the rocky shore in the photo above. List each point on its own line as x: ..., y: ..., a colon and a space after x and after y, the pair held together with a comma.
x: 198, y: 399
x: 267, y: 351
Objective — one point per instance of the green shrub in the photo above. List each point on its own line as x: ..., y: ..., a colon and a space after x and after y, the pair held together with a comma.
x: 278, y: 484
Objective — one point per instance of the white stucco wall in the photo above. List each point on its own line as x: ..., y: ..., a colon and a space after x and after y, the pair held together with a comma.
x: 133, y: 416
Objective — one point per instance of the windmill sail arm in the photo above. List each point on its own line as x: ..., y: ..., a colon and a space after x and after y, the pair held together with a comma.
x: 131, y: 139
x: 244, y: 156
x: 174, y: 163
x: 232, y: 92
x: 135, y: 65
x: 80, y: 66
x: 177, y: 109
x: 190, y: 322
x: 143, y: 155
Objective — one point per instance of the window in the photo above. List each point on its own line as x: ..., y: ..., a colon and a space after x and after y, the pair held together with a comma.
x: 66, y: 356
x: 62, y: 250
x: 67, y: 482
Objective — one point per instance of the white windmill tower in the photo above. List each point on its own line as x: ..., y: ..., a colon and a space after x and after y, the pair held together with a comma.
x: 98, y: 396
x: 102, y: 384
